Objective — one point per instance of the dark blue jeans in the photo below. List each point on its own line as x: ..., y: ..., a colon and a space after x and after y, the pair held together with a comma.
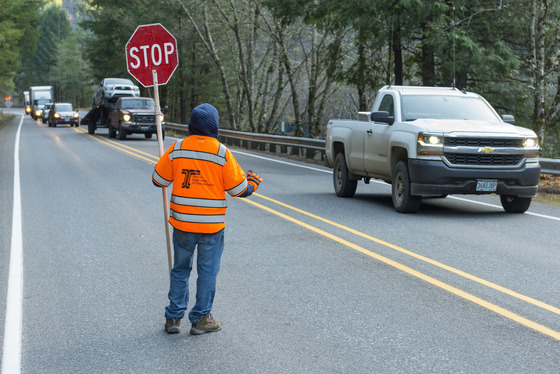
x: 209, y: 256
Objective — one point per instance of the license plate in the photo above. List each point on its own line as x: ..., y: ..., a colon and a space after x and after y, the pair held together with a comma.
x: 486, y: 185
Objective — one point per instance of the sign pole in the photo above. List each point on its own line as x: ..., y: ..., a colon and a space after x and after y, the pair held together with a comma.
x: 164, y: 189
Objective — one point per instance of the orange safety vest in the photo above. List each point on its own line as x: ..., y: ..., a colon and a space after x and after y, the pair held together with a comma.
x: 201, y: 169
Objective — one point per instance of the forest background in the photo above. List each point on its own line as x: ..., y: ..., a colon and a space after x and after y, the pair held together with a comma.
x: 287, y: 66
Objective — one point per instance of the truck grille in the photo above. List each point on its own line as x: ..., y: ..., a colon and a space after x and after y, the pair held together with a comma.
x: 145, y: 118
x: 483, y: 142
x: 483, y: 160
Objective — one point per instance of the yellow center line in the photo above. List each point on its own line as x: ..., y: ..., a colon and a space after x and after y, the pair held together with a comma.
x: 465, y: 295
x: 122, y: 147
x: 453, y: 270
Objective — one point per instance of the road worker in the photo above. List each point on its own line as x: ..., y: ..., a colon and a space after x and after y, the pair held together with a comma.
x: 201, y: 170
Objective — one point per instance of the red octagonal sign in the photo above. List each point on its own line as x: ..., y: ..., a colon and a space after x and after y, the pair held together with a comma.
x: 151, y: 47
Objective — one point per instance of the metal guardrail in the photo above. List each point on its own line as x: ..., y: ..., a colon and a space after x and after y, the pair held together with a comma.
x: 550, y: 166
x: 314, y: 148
x: 308, y: 147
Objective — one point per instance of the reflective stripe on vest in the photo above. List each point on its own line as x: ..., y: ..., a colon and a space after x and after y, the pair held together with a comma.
x: 161, y: 181
x: 219, y: 158
x: 196, y: 155
x: 197, y: 218
x: 222, y: 150
x: 238, y: 189
x: 206, y: 203
x: 177, y: 147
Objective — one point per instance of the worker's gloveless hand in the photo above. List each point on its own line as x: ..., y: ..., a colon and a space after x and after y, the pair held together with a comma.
x: 253, y: 179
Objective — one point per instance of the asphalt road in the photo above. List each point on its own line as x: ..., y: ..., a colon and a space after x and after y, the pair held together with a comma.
x: 310, y: 283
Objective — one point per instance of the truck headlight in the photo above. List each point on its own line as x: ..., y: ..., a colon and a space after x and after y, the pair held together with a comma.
x: 430, y: 144
x: 161, y: 117
x: 531, y: 146
x: 126, y: 117
x: 530, y: 142
x: 56, y: 115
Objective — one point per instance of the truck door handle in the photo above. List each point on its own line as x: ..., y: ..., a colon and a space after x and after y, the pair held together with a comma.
x: 369, y: 132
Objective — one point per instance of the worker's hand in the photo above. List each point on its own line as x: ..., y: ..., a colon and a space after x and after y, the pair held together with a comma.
x: 253, y: 179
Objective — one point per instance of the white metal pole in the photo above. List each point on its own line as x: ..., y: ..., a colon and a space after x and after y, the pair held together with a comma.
x: 164, y: 189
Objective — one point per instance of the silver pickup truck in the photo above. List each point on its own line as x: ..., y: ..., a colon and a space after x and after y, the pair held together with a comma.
x: 431, y: 142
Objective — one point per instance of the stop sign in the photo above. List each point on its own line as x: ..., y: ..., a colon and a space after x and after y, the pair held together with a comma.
x: 151, y: 47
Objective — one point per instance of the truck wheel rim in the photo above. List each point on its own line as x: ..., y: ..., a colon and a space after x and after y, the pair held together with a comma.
x: 339, y: 176
x: 399, y: 185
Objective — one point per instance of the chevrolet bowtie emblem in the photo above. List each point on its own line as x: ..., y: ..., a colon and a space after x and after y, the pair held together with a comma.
x: 486, y: 150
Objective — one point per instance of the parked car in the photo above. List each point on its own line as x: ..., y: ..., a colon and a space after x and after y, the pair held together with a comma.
x: 63, y: 113
x: 45, y: 115
x: 110, y: 89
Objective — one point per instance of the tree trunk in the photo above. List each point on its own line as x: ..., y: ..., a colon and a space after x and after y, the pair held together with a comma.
x: 360, y: 76
x: 291, y: 79
x: 428, y: 60
x: 209, y: 44
x: 312, y: 89
x: 397, y: 52
x: 538, y: 20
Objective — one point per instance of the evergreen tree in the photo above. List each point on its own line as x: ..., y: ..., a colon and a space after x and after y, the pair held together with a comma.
x: 18, y: 36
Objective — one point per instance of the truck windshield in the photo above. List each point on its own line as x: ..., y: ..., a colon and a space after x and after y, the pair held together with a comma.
x: 446, y: 107
x: 118, y: 81
x: 138, y: 104
x: 42, y: 101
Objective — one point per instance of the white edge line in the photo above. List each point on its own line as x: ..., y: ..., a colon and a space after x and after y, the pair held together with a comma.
x: 11, y: 353
x: 281, y: 162
x: 380, y: 182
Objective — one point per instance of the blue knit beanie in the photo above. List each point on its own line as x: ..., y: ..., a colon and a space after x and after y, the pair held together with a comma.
x: 204, y: 121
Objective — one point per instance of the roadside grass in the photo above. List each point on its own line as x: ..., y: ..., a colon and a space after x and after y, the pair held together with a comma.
x: 5, y: 119
x: 549, y: 189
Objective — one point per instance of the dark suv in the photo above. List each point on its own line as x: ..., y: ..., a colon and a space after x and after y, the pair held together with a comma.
x: 134, y: 115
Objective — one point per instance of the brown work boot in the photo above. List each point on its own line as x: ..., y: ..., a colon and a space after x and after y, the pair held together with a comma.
x: 172, y: 325
x: 206, y: 324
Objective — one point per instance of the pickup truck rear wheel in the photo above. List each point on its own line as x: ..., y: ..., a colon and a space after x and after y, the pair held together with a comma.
x: 343, y: 185
x: 403, y: 201
x: 515, y: 204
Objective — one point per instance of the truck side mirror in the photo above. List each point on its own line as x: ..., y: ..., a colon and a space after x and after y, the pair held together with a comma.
x: 165, y: 109
x: 382, y: 116
x: 508, y: 118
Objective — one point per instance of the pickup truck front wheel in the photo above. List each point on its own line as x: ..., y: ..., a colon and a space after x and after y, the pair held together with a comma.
x: 515, y: 204
x: 122, y: 133
x: 112, y: 131
x: 403, y: 201
x: 343, y: 185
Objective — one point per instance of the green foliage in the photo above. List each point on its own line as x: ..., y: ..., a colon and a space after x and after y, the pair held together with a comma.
x: 57, y: 59
x: 54, y: 29
x: 70, y: 74
x: 483, y: 46
x: 18, y: 35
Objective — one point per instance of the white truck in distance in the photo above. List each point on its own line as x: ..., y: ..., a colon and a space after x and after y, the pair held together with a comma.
x: 431, y: 142
x: 40, y: 95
